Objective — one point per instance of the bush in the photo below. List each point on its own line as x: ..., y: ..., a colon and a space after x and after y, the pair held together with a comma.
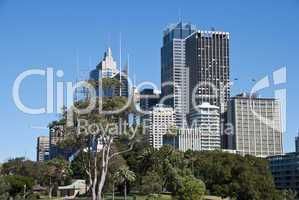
x: 151, y: 184
x: 191, y: 189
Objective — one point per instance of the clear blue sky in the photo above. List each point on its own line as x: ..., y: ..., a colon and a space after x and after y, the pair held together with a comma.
x: 40, y: 34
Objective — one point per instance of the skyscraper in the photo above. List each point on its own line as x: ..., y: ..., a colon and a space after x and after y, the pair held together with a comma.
x: 43, y: 148
x: 107, y: 68
x: 160, y: 121
x: 297, y: 143
x: 207, y: 57
x: 148, y: 99
x: 174, y: 73
x: 123, y: 88
x: 56, y: 135
x: 256, y: 124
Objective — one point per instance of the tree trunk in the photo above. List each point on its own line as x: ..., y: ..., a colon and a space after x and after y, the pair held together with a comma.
x: 94, y: 194
x: 101, y: 186
x: 125, y: 190
x: 50, y: 191
x: 50, y: 188
x: 95, y: 179
x: 113, y: 188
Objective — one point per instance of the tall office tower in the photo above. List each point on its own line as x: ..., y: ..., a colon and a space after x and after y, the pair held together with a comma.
x: 43, y: 149
x: 256, y: 124
x: 148, y: 99
x: 174, y: 72
x: 297, y: 143
x: 207, y: 57
x: 123, y: 88
x: 107, y: 68
x: 161, y: 121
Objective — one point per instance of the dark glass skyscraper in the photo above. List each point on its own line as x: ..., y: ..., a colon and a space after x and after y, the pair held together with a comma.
x: 148, y: 99
x: 207, y: 57
x: 174, y: 73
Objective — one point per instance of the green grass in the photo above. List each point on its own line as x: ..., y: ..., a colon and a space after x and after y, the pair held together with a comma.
x: 131, y: 197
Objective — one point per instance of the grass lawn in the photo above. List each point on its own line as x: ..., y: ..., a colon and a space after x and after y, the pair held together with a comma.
x: 131, y: 197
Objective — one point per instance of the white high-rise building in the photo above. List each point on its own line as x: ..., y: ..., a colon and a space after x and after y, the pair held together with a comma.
x: 256, y: 125
x: 43, y: 148
x: 205, y: 118
x: 160, y: 121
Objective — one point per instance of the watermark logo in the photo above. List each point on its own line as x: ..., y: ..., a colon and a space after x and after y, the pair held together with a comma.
x: 279, y: 77
x: 203, y: 91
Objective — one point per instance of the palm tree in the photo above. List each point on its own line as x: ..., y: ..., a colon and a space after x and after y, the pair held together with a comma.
x: 123, y: 176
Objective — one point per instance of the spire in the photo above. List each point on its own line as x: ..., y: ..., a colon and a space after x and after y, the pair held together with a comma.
x: 109, y: 52
x: 180, y: 16
x: 126, y: 68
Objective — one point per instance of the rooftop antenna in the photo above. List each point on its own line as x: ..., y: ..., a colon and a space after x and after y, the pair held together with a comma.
x: 128, y: 63
x: 134, y: 79
x: 109, y: 39
x: 180, y: 15
x: 120, y: 68
x: 77, y: 73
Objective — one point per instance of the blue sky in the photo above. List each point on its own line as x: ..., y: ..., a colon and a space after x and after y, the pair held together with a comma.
x: 54, y: 33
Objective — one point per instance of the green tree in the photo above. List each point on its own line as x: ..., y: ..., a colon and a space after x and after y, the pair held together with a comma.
x: 55, y: 172
x: 234, y: 176
x: 4, y: 189
x: 191, y: 189
x: 19, y: 185
x: 151, y: 183
x: 124, y: 176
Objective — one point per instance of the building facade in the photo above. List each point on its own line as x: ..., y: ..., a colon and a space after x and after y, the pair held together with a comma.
x: 160, y: 121
x: 196, y: 140
x: 107, y: 68
x: 174, y: 72
x: 148, y: 99
x: 55, y: 137
x: 207, y: 57
x: 285, y: 171
x: 297, y: 143
x: 256, y: 126
x: 206, y: 119
x: 122, y: 89
x: 43, y: 149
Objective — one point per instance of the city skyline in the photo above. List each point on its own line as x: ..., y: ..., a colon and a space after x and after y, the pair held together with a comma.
x: 96, y: 51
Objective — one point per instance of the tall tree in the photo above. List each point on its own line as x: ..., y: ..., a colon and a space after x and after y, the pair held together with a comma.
x: 100, y: 133
x: 55, y: 172
x: 124, y: 176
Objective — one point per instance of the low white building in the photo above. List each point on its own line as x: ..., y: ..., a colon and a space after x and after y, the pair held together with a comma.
x: 196, y: 140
